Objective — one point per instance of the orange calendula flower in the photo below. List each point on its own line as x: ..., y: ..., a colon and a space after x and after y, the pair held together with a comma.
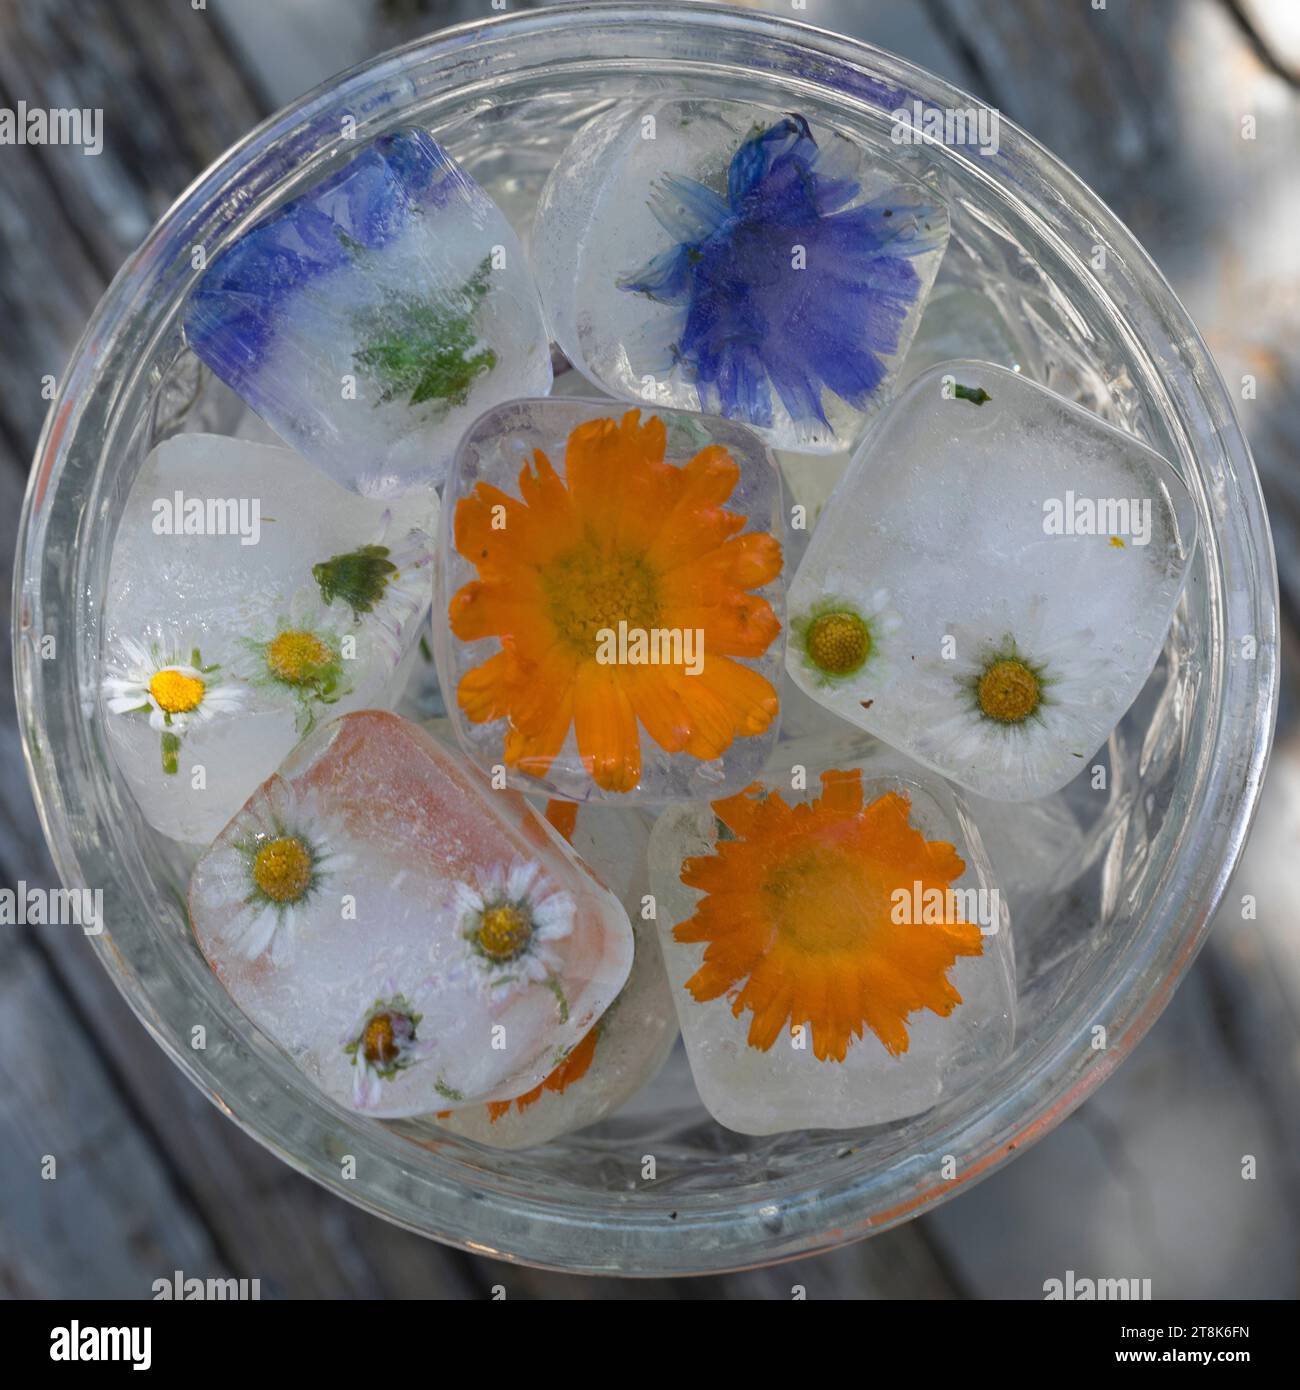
x: 573, y: 1068
x: 624, y: 538
x: 799, y: 918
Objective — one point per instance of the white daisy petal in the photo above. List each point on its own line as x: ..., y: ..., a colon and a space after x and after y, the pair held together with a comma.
x: 258, y: 933
x: 467, y: 899
x: 554, y: 916
x: 521, y: 878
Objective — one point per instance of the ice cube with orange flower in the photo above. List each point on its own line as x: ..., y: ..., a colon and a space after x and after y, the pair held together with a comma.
x: 839, y: 953
x: 610, y: 622
x: 629, y: 1043
x: 412, y: 939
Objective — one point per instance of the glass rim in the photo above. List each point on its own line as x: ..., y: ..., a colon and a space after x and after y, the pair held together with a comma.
x: 245, y: 1080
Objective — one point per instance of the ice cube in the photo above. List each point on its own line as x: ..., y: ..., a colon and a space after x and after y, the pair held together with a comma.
x: 992, y: 580
x: 733, y: 259
x: 1032, y: 845
x: 248, y: 595
x: 631, y: 1040
x: 411, y: 938
x: 839, y: 953
x: 962, y: 321
x: 610, y: 617
x: 371, y: 319
x: 813, y: 736
x: 809, y: 480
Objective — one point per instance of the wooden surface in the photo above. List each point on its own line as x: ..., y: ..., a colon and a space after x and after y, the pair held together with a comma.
x: 1144, y: 99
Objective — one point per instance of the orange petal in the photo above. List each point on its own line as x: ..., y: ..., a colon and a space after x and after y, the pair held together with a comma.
x: 725, y: 700
x: 608, y: 738
x: 842, y: 792
x: 598, y: 460
x: 742, y: 625
x: 658, y: 706
x: 496, y: 608
x: 563, y: 815
x: 743, y: 562
x: 485, y: 692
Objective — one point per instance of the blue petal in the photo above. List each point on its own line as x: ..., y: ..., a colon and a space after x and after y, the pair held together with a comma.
x: 687, y: 210
x: 230, y: 321
x: 749, y: 327
x: 667, y: 277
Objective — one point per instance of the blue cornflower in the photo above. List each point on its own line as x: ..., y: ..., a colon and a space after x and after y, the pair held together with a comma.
x: 236, y: 311
x: 752, y: 323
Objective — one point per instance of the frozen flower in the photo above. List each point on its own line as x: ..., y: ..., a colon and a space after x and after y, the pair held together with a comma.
x: 584, y: 553
x: 798, y: 918
x: 300, y: 656
x: 839, y: 640
x: 278, y: 859
x: 237, y: 316
x: 383, y: 1043
x: 510, y: 920
x: 386, y: 584
x: 1009, y: 704
x: 750, y: 324
x: 174, y: 693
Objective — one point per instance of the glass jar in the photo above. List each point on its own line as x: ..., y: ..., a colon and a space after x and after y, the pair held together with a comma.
x: 1105, y: 949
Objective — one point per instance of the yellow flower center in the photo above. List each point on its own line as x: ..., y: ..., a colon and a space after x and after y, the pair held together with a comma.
x: 379, y: 1041
x: 589, y: 589
x: 1009, y: 691
x: 503, y: 932
x: 282, y: 869
x: 297, y: 657
x: 817, y: 902
x: 175, y: 692
x: 838, y: 643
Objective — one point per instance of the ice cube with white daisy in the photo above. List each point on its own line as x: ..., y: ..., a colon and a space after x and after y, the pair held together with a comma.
x: 414, y: 940
x: 236, y: 617
x: 630, y: 1042
x: 992, y: 581
x: 372, y: 318
x: 609, y: 619
x: 737, y: 260
x: 839, y: 951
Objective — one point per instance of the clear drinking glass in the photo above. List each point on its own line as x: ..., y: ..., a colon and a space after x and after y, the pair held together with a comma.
x: 1104, y: 943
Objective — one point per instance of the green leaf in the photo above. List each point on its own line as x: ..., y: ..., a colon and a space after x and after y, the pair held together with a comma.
x: 358, y: 578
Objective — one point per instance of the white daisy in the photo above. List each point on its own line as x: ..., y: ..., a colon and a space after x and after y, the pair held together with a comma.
x: 840, y: 639
x: 1012, y: 712
x: 509, y: 921
x: 173, y: 692
x: 383, y: 1043
x: 278, y: 855
x: 388, y: 585
x: 299, y: 657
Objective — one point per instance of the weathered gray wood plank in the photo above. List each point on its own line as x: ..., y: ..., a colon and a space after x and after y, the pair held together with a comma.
x: 110, y: 1219
x: 172, y: 101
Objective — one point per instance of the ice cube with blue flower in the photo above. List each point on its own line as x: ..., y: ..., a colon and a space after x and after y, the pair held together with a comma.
x: 374, y: 317
x: 726, y: 258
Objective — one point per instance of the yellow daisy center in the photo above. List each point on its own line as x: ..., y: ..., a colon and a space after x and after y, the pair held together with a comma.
x: 175, y: 692
x: 503, y: 932
x: 838, y: 643
x: 282, y: 869
x: 297, y: 657
x: 1009, y: 691
x: 589, y: 589
x: 379, y: 1041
